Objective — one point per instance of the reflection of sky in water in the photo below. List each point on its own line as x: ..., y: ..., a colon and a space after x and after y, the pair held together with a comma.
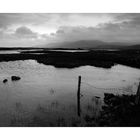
x: 70, y: 50
x: 17, y: 51
x: 8, y: 52
x: 55, y: 88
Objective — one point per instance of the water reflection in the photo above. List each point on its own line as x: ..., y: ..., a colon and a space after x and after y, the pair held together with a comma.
x: 51, y: 93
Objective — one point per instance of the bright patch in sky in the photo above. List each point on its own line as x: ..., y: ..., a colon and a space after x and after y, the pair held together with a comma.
x: 34, y: 29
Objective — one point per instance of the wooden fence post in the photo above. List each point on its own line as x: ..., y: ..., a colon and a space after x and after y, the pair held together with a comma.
x: 78, y: 97
x: 138, y: 95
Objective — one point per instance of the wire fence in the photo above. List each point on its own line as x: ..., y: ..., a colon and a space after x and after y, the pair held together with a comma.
x: 93, y: 99
x: 128, y: 89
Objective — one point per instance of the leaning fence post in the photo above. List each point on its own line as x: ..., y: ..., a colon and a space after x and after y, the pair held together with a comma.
x: 78, y: 96
x: 138, y: 95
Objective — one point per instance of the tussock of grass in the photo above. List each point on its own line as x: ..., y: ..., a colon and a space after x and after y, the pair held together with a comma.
x: 119, y: 110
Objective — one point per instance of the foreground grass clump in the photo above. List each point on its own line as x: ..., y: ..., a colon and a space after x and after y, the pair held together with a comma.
x: 119, y: 110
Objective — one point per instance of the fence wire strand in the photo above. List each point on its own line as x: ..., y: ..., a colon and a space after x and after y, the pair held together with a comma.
x: 128, y: 89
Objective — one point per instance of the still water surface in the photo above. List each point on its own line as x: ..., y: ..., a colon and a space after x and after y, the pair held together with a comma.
x: 44, y: 89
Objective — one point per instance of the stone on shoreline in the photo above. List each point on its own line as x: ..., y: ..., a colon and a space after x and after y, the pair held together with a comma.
x: 15, y: 78
x: 5, y: 81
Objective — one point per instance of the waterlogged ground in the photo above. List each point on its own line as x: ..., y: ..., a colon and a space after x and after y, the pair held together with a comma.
x: 47, y: 96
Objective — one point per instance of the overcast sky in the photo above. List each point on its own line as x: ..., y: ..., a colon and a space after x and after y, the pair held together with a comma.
x: 33, y: 29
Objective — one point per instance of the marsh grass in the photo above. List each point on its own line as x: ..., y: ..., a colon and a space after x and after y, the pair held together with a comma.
x: 117, y: 110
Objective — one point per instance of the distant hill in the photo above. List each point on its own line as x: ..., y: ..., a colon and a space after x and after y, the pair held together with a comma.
x: 77, y: 44
x: 91, y: 44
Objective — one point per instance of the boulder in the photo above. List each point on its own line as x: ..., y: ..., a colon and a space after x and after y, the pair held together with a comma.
x: 5, y: 81
x: 15, y: 78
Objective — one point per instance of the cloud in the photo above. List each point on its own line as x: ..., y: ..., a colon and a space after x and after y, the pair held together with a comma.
x: 22, y: 36
x: 25, y: 32
x: 20, y: 29
x: 110, y: 32
x: 9, y: 19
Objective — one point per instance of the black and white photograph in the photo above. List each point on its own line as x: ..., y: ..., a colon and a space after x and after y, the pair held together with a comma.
x: 69, y: 69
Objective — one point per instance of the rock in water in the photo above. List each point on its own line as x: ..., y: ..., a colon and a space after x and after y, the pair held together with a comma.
x: 15, y: 78
x: 5, y: 81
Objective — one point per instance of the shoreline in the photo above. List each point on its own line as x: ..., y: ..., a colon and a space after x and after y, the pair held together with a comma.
x: 102, y: 58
